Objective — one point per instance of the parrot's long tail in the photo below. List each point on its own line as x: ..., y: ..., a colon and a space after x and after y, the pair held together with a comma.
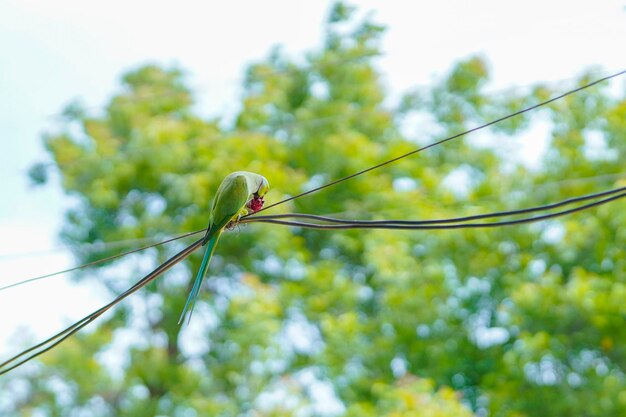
x: 193, y: 294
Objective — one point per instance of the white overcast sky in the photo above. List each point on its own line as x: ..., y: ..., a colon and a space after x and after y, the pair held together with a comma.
x: 54, y: 51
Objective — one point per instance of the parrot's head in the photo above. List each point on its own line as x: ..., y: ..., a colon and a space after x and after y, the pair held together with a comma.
x: 257, y: 201
x: 263, y: 188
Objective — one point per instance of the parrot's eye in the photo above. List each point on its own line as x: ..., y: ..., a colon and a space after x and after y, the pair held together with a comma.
x: 262, y: 189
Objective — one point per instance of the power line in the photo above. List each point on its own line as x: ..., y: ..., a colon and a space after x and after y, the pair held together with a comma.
x: 238, y: 81
x: 580, y: 88
x: 89, y: 247
x: 440, y: 221
x: 407, y: 225
x: 99, y: 261
x: 449, y: 138
x: 296, y: 123
x: 59, y: 337
x: 56, y: 339
x: 326, y: 219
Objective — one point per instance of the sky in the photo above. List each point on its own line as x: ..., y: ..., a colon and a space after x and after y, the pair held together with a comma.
x: 54, y: 52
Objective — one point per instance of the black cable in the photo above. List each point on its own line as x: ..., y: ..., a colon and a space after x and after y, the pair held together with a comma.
x: 349, y: 176
x: 64, y: 334
x: 396, y: 226
x: 327, y: 219
x: 67, y: 332
x: 517, y: 113
x: 119, y: 255
x: 439, y: 221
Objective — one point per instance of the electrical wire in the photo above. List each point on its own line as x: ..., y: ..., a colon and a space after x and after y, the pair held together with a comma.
x: 439, y: 221
x: 58, y: 338
x: 449, y: 138
x: 55, y: 340
x: 99, y: 261
x: 406, y: 225
x: 238, y: 81
x: 87, y: 247
x: 289, y: 125
x: 327, y: 219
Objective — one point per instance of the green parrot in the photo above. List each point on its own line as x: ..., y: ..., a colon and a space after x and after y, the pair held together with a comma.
x: 239, y: 194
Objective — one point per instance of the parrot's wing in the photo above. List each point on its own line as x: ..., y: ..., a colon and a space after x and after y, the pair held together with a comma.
x: 232, y: 195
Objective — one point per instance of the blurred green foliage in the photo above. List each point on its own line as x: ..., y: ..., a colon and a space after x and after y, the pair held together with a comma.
x: 519, y: 321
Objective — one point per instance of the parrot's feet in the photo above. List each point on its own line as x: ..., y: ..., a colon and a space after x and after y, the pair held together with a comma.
x: 235, y: 221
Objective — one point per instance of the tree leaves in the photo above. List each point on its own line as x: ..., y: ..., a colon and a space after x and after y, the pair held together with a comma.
x: 516, y: 321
